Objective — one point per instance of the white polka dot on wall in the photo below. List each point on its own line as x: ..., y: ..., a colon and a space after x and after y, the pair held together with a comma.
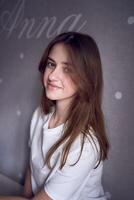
x: 21, y: 55
x: 130, y: 20
x: 118, y: 95
x: 18, y: 112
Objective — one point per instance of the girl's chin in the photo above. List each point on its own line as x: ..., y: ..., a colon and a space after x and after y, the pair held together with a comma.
x: 52, y: 97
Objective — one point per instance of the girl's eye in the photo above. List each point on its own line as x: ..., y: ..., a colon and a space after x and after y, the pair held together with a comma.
x: 67, y: 70
x: 50, y: 64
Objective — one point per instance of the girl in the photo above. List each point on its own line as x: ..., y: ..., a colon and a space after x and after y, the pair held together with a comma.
x: 67, y: 135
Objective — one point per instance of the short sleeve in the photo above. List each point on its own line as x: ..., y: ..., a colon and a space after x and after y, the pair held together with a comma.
x: 67, y: 181
x: 33, y: 123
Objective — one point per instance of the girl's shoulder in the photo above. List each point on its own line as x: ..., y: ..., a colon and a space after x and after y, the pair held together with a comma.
x: 36, y: 112
x: 39, y: 114
x: 90, y: 140
x: 90, y: 148
x: 38, y: 117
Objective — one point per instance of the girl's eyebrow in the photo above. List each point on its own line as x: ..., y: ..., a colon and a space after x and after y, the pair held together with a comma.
x: 50, y: 59
x: 65, y: 63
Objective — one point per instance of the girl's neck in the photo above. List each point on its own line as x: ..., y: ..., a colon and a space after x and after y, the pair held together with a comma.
x: 58, y: 117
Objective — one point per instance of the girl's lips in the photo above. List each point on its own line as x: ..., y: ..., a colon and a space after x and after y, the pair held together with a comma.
x: 52, y: 86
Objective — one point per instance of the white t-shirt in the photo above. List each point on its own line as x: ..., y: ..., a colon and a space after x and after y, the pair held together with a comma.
x: 78, y: 182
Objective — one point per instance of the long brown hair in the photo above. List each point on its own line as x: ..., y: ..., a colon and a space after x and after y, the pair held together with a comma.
x: 85, y: 111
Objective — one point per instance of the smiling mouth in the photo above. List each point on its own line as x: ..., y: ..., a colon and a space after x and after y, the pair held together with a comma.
x: 52, y: 86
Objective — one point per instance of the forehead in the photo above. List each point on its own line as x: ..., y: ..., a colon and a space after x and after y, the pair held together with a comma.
x: 60, y: 52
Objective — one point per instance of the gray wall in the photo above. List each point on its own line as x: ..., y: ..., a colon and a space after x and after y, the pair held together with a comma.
x: 26, y: 26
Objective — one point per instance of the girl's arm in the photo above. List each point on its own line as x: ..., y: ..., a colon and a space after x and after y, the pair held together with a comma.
x: 27, y: 185
x: 40, y: 196
x: 27, y: 193
x: 12, y: 198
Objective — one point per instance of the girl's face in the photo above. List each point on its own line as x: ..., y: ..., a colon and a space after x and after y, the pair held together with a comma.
x: 57, y: 80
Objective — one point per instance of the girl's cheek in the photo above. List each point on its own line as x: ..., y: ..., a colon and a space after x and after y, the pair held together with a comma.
x: 45, y: 79
x: 46, y: 74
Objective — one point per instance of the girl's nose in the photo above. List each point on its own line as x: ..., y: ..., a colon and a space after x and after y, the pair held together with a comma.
x: 54, y: 75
